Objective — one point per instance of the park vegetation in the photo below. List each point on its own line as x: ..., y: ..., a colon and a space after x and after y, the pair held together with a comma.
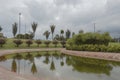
x: 92, y: 42
x: 70, y: 40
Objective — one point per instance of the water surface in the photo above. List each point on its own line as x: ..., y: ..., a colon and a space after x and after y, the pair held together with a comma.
x: 57, y: 66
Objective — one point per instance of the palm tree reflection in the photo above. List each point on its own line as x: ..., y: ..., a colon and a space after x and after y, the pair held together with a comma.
x: 33, y: 68
x: 14, y: 66
x: 52, y: 66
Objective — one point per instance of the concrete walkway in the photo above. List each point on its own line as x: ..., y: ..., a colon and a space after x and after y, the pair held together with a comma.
x: 8, y: 75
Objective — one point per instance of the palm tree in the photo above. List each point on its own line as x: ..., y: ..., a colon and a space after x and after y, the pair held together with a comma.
x: 0, y: 28
x: 34, y: 27
x: 68, y: 33
x: 14, y: 28
x: 62, y: 32
x: 62, y: 37
x: 52, y: 27
x: 46, y: 34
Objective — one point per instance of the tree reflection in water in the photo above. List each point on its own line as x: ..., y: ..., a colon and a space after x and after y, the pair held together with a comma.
x: 33, y: 68
x: 77, y: 64
x: 89, y: 65
x: 18, y: 56
x: 52, y: 65
x: 14, y: 66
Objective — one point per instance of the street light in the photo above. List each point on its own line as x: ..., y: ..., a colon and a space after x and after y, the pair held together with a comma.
x: 19, y: 22
x: 94, y: 27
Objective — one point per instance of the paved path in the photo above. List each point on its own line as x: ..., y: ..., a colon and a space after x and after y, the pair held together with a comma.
x: 8, y: 75
x: 97, y: 55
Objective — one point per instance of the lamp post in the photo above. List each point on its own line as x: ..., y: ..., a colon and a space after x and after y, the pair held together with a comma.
x: 19, y: 22
x: 94, y: 27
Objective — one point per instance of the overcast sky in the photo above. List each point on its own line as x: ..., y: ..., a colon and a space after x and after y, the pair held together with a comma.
x: 65, y: 14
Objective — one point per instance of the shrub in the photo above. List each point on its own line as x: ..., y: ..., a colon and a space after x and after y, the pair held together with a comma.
x: 18, y: 42
x: 63, y: 44
x: 38, y: 42
x: 2, y: 42
x: 47, y: 43
x: 90, y: 38
x: 55, y: 43
x: 29, y: 42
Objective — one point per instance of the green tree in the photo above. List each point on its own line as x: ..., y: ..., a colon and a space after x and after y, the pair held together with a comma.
x: 57, y: 37
x: 68, y: 34
x: 52, y: 27
x: 18, y: 42
x: 47, y: 43
x: 81, y: 31
x: 46, y: 34
x: 55, y: 42
x: 0, y: 28
x: 38, y: 42
x: 14, y: 28
x: 62, y: 32
x: 29, y: 42
x: 2, y: 42
x: 34, y: 27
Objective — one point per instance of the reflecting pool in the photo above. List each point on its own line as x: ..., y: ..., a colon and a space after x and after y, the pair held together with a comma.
x: 54, y: 65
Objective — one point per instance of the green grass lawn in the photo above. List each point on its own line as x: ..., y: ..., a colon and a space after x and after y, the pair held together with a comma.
x: 10, y: 45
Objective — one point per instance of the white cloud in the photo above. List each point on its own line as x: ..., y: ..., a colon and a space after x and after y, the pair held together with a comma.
x: 71, y: 14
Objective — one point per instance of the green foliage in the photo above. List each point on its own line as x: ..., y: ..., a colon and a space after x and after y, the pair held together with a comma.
x: 18, y: 42
x: 14, y: 29
x: 52, y: 27
x: 0, y: 28
x: 34, y: 27
x: 55, y: 42
x: 62, y: 32
x: 47, y: 43
x: 46, y: 34
x: 25, y: 36
x: 38, y: 42
x: 92, y: 38
x: 68, y: 34
x: 29, y: 42
x: 2, y: 42
x: 96, y: 48
x: 92, y: 42
x: 63, y: 43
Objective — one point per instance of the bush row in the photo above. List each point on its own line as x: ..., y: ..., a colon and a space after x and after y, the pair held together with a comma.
x: 29, y: 42
x: 96, y: 48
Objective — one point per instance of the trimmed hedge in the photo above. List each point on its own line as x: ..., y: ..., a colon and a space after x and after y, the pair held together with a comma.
x: 96, y: 48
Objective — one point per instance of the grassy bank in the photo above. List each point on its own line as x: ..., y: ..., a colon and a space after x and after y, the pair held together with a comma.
x: 10, y: 45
